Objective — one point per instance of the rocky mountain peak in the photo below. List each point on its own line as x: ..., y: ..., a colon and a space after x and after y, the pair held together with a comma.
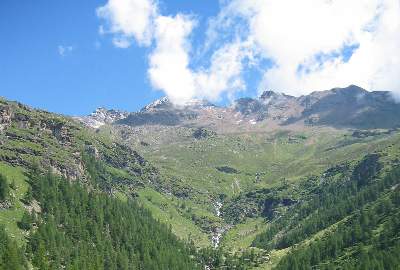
x: 271, y: 97
x: 248, y: 106
x: 350, y: 90
x: 165, y: 104
x: 161, y: 103
x: 268, y: 94
x: 102, y: 116
x: 351, y: 106
x: 164, y: 112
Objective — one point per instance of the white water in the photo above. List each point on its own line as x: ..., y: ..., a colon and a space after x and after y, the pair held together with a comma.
x: 217, y: 234
x: 216, y: 237
x: 217, y: 207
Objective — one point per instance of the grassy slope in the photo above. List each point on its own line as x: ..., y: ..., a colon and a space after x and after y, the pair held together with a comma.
x: 165, y: 209
x: 242, y: 235
x: 10, y: 217
x: 274, y: 156
x: 290, y: 155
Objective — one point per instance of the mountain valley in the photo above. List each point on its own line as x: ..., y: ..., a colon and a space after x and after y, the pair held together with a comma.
x: 260, y: 184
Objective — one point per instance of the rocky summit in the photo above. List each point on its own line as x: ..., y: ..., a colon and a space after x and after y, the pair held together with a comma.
x: 102, y: 116
x: 350, y: 107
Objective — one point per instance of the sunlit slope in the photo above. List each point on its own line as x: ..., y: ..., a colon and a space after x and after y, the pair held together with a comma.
x: 199, y: 172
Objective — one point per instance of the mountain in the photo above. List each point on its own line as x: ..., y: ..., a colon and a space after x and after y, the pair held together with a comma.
x: 67, y: 199
x: 163, y: 112
x: 350, y: 107
x: 237, y: 168
x: 102, y: 116
x: 274, y: 182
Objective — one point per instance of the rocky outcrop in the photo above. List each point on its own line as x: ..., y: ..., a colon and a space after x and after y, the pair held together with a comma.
x: 250, y: 106
x: 71, y: 170
x: 5, y: 116
x: 202, y: 133
x: 264, y: 202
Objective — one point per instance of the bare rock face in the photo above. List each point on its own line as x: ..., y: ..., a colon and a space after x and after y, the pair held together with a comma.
x: 5, y: 116
x: 163, y: 112
x: 202, y: 133
x: 350, y: 107
x: 71, y: 171
x: 251, y: 107
x: 102, y: 116
x: 162, y: 103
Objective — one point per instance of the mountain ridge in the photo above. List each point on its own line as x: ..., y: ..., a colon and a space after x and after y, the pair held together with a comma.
x: 363, y: 109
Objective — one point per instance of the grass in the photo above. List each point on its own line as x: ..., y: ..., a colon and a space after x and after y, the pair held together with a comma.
x: 242, y: 235
x: 164, y: 210
x: 289, y: 155
x: 194, y: 162
x: 10, y: 217
x: 275, y: 257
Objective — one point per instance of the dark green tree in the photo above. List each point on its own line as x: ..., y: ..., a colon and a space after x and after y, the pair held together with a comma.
x: 4, y: 188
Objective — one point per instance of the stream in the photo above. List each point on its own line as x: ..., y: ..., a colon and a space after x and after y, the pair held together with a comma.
x: 217, y: 234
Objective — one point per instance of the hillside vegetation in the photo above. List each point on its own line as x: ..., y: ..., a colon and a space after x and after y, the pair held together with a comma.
x: 204, y: 190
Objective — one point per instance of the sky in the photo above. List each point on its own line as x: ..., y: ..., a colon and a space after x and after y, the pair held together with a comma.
x: 73, y: 56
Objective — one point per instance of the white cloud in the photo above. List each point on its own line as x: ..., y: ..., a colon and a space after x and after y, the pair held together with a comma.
x: 128, y: 20
x: 296, y: 34
x: 170, y: 59
x: 64, y: 50
x: 170, y: 64
x: 224, y: 74
x: 304, y: 39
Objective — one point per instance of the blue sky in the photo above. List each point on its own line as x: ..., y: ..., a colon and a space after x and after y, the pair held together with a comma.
x: 73, y: 56
x: 93, y: 74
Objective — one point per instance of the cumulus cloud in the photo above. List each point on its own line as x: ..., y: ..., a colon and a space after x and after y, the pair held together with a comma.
x: 224, y: 73
x: 307, y: 41
x: 170, y: 60
x: 311, y: 45
x: 128, y: 20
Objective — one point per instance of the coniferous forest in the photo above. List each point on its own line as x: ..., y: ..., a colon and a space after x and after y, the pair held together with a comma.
x: 79, y: 227
x: 360, y: 219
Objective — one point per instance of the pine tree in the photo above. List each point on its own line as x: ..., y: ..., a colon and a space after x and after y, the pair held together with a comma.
x: 4, y: 188
x: 12, y: 257
x: 26, y: 221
